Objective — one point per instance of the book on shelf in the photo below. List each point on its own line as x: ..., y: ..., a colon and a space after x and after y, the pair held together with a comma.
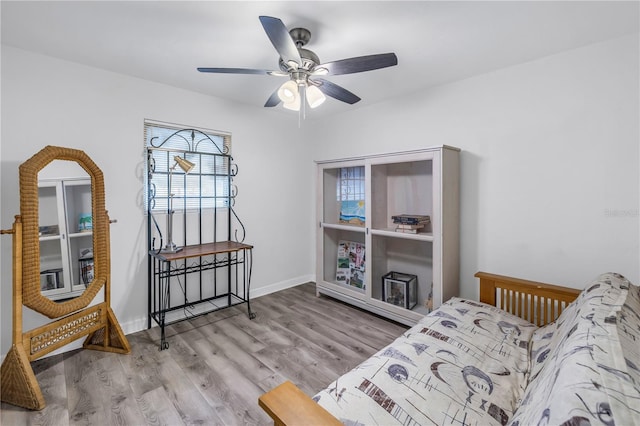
x: 48, y: 230
x: 408, y: 231
x: 410, y: 219
x: 407, y: 226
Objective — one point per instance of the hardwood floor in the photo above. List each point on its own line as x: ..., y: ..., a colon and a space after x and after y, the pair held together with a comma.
x: 215, y: 369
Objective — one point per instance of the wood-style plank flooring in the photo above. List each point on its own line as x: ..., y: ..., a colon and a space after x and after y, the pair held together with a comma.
x: 215, y: 369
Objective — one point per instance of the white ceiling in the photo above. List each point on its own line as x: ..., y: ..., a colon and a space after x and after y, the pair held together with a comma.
x: 436, y: 41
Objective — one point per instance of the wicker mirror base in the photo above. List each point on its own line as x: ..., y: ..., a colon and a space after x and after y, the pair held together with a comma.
x: 18, y: 384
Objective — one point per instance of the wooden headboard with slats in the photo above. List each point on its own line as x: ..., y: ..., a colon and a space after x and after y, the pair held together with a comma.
x: 536, y: 302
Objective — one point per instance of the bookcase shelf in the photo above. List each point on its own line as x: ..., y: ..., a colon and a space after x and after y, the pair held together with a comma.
x: 422, y: 182
x: 390, y: 232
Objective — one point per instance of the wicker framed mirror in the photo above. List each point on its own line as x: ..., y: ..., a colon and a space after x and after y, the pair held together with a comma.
x: 72, y: 318
x: 31, y: 289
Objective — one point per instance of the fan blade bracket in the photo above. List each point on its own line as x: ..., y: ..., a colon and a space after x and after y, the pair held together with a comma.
x: 319, y: 70
x: 278, y: 73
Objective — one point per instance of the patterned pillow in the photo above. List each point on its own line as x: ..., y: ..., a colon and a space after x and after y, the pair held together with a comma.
x: 464, y: 363
x: 584, y: 378
x: 548, y: 340
x: 624, y: 360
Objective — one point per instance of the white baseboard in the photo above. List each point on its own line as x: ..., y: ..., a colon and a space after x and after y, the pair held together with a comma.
x: 140, y: 323
x: 282, y: 285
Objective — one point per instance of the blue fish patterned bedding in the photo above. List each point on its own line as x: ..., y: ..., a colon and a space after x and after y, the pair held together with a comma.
x: 468, y: 363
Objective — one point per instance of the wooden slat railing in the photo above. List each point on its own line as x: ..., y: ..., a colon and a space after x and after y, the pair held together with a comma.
x: 536, y: 302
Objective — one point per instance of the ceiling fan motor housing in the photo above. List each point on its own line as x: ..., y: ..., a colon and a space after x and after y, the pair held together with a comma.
x: 310, y: 60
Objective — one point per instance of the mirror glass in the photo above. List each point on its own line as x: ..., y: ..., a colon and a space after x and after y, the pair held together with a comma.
x: 65, y: 230
x: 67, y: 208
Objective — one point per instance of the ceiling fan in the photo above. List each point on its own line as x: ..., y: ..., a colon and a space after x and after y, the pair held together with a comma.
x: 304, y: 69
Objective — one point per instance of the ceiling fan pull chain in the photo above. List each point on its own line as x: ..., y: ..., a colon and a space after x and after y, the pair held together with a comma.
x: 303, y: 100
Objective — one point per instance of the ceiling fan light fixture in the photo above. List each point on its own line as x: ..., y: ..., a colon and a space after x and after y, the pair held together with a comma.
x: 288, y: 92
x: 315, y: 97
x: 293, y: 105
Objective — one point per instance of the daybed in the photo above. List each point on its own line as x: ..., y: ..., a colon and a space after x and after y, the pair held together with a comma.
x: 541, y: 359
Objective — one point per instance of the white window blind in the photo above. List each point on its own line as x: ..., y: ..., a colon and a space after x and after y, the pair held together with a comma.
x: 207, y: 185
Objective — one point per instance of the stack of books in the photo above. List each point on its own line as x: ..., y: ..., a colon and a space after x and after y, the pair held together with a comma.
x: 410, y: 223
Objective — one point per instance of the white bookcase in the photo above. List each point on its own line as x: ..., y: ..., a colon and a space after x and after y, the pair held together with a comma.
x: 66, y: 241
x: 421, y: 182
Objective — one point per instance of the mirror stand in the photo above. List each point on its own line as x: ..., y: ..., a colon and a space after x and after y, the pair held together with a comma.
x: 72, y: 320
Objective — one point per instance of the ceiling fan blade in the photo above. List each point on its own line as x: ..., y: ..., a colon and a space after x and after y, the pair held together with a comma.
x: 236, y: 71
x: 273, y: 100
x: 336, y: 92
x: 358, y: 64
x: 280, y: 38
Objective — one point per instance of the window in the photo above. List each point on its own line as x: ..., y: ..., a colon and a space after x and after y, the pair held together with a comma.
x: 207, y: 185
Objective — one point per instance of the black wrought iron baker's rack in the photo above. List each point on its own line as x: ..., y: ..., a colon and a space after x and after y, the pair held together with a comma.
x: 211, y: 268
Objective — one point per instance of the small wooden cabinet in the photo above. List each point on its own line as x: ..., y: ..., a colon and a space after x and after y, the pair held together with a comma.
x: 357, y: 241
x: 66, y: 237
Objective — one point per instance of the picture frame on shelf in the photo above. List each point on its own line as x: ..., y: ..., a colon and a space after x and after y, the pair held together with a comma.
x: 85, y: 222
x: 51, y: 279
x: 352, y: 212
x: 400, y: 289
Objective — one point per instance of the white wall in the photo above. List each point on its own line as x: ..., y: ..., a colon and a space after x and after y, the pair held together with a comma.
x: 549, y: 164
x: 550, y: 154
x: 47, y: 101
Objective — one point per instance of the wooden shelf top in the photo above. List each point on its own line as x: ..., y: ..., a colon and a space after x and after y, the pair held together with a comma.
x: 198, y: 250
